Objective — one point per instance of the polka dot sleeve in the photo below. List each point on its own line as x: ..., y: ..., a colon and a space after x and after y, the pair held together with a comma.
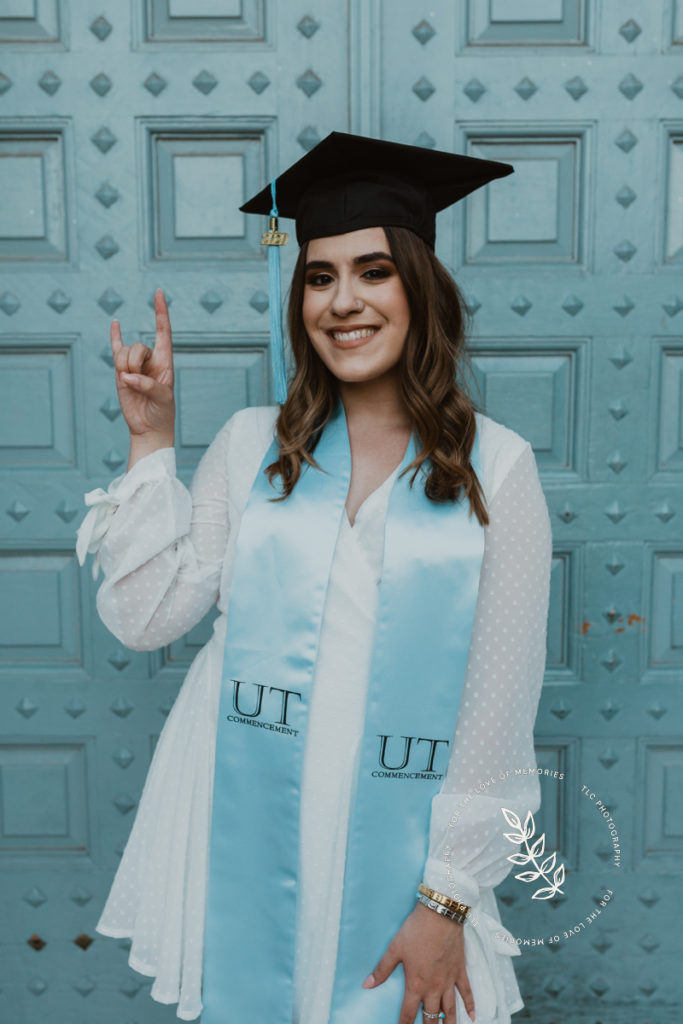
x: 493, y: 760
x: 160, y: 545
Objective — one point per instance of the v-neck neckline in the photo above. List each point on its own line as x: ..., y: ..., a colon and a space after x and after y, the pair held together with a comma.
x: 365, y: 500
x: 384, y: 482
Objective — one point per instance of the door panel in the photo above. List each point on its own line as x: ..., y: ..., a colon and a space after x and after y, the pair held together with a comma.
x: 573, y: 264
x: 129, y: 138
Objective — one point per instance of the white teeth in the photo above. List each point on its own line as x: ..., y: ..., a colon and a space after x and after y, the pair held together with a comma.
x: 345, y: 336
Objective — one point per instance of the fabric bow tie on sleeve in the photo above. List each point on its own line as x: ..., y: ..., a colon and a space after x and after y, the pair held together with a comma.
x: 92, y: 530
x: 95, y: 526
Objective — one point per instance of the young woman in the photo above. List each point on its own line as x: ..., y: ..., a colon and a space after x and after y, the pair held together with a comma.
x: 362, y: 713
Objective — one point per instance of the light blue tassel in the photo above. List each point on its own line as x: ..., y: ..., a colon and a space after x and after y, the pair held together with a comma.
x: 277, y: 348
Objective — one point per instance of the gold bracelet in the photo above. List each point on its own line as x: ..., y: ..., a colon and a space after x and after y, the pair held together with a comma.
x: 446, y: 901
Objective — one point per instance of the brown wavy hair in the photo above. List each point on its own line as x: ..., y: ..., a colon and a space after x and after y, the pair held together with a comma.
x: 430, y: 368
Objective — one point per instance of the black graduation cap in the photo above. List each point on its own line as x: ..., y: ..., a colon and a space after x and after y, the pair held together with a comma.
x: 348, y: 182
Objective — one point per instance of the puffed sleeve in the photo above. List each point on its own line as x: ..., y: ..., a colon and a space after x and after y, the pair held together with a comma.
x: 493, y: 763
x: 159, y: 544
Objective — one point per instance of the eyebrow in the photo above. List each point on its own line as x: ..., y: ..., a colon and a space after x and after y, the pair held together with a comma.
x: 368, y: 257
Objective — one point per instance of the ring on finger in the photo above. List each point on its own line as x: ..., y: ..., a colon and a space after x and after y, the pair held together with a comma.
x: 433, y: 1016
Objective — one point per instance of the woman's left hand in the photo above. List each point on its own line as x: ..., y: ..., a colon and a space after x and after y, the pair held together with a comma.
x: 432, y: 950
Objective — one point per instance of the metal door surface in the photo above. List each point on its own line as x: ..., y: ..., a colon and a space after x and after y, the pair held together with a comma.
x: 129, y: 136
x: 573, y: 264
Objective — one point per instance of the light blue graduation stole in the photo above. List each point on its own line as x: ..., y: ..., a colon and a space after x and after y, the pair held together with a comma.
x: 426, y: 604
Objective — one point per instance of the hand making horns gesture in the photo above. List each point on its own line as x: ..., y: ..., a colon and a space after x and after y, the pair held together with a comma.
x: 144, y: 376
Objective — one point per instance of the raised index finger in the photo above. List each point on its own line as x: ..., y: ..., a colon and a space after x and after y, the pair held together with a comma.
x: 162, y: 343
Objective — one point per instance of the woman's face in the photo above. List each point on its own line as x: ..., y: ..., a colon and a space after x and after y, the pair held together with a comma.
x: 351, y: 283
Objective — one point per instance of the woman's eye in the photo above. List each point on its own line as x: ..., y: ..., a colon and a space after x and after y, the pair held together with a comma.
x: 316, y: 278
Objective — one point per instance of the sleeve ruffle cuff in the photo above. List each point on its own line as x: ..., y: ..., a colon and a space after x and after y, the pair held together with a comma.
x: 485, y: 937
x: 90, y: 534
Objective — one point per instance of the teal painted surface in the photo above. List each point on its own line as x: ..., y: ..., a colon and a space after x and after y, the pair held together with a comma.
x: 574, y: 264
x: 129, y: 138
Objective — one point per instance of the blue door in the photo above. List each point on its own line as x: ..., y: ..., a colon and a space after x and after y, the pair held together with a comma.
x: 573, y: 265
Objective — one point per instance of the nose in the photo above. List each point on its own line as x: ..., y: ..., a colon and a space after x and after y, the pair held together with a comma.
x: 345, y: 300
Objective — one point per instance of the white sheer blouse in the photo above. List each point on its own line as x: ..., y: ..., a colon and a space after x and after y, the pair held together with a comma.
x: 167, y: 555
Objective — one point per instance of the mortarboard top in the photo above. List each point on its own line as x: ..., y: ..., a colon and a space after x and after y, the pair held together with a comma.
x: 348, y: 182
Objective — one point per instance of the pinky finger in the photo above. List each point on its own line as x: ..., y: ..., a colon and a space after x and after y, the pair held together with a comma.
x: 115, y: 336
x: 465, y: 992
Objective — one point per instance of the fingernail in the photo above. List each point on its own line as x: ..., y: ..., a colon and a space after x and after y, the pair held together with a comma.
x: 369, y: 981
x: 472, y: 1015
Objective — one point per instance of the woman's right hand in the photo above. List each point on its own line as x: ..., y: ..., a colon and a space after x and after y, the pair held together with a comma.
x: 144, y: 377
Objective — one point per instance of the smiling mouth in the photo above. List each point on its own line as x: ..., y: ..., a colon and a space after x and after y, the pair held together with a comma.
x: 352, y: 339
